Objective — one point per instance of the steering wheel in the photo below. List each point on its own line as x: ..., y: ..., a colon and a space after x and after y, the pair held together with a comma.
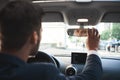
x: 42, y: 57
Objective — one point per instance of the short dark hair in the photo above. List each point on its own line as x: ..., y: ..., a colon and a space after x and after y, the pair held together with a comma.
x: 18, y: 19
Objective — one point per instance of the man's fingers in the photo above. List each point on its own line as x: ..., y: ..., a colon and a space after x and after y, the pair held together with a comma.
x: 92, y: 41
x: 93, y: 33
x: 96, y: 33
x: 99, y: 36
x: 89, y: 32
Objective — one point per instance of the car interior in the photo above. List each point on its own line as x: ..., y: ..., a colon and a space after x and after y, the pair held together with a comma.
x: 68, y: 52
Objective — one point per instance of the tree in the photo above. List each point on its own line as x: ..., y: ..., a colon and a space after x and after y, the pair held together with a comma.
x: 116, y: 31
x: 105, y: 35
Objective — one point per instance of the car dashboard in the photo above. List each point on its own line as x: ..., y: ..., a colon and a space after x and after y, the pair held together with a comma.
x: 111, y: 67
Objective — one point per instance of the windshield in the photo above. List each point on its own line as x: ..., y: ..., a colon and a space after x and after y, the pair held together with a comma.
x: 56, y: 41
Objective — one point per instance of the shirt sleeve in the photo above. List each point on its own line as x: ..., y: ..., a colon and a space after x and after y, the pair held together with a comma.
x: 93, y: 52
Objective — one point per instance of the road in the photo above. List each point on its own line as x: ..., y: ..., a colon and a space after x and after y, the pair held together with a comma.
x: 68, y: 51
x: 104, y: 53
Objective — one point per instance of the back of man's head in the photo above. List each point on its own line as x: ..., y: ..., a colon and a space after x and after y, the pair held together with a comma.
x: 18, y: 19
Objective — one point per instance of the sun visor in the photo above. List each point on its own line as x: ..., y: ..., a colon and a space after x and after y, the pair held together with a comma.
x: 111, y: 17
x: 52, y: 17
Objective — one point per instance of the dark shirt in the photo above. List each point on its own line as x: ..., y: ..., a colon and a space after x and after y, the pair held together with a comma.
x: 13, y: 68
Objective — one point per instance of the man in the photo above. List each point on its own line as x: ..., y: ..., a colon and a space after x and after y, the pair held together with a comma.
x: 21, y: 33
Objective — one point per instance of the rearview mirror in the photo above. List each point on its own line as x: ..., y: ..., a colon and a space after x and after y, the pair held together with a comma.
x: 78, y: 32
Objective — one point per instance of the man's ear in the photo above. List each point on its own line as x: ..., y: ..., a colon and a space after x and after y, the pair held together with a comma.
x: 34, y: 38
